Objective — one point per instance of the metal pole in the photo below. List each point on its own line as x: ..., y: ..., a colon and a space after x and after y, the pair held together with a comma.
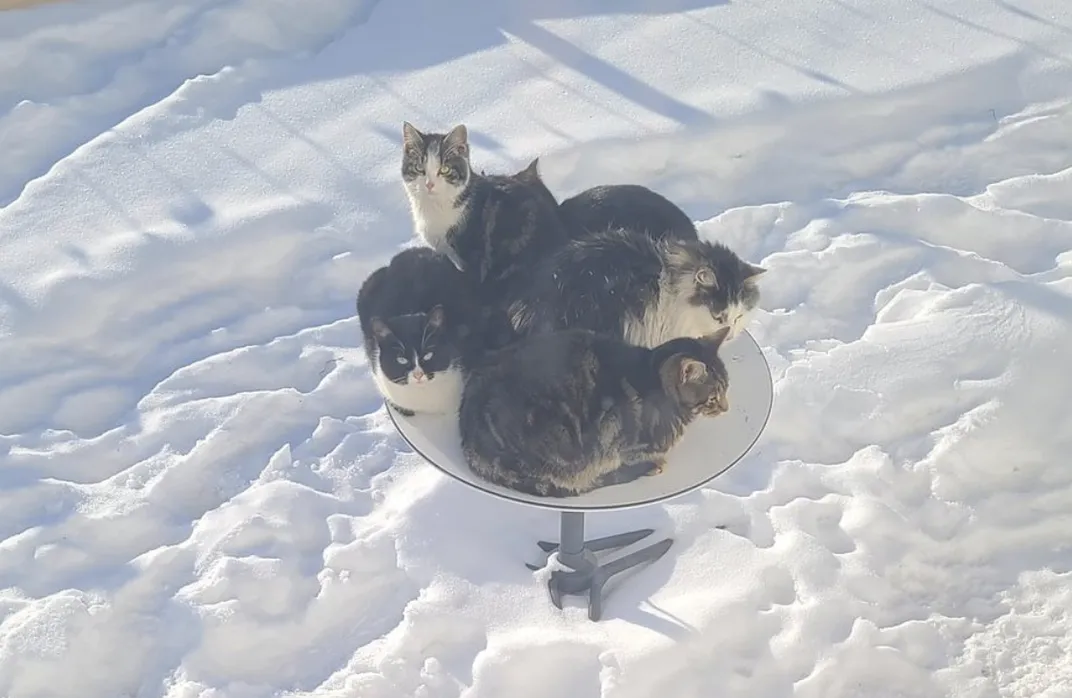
x: 571, y: 534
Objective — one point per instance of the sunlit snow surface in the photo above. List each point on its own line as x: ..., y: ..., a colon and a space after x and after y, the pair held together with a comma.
x: 201, y: 495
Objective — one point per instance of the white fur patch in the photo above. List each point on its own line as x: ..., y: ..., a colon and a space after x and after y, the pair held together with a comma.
x: 440, y: 395
x: 673, y: 316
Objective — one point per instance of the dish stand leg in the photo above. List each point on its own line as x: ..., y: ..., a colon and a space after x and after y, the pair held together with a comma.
x: 582, y: 572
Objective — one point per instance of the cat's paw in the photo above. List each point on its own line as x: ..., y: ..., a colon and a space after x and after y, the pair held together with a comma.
x: 401, y: 410
x: 657, y: 467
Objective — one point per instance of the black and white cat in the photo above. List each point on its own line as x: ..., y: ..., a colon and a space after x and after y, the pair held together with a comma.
x: 563, y: 413
x: 422, y: 322
x: 493, y: 227
x: 624, y: 283
x: 626, y: 206
x: 416, y: 365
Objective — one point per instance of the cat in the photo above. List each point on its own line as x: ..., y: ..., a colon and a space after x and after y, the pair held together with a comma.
x: 493, y: 227
x: 417, y: 365
x: 626, y: 206
x: 422, y: 322
x: 624, y: 283
x: 566, y: 412
x: 530, y: 175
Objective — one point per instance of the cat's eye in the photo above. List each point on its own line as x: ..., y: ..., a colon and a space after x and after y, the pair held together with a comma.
x: 427, y: 356
x: 444, y: 170
x: 402, y: 360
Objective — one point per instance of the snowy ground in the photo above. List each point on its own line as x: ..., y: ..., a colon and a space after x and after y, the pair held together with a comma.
x: 201, y: 496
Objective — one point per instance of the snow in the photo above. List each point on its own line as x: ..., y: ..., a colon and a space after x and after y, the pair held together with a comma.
x: 201, y: 495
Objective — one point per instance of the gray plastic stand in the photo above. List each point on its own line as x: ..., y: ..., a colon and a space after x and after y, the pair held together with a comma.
x: 583, y: 573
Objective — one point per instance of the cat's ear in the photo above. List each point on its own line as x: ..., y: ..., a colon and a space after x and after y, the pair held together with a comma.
x: 532, y: 170
x: 691, y: 370
x: 751, y: 270
x: 705, y: 276
x: 380, y: 328
x: 457, y: 140
x: 435, y: 317
x: 411, y: 136
x: 715, y: 340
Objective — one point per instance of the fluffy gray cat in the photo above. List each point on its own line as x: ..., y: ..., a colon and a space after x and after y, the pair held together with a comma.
x: 627, y: 284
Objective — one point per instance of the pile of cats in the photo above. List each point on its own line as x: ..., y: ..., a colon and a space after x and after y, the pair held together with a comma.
x: 575, y: 341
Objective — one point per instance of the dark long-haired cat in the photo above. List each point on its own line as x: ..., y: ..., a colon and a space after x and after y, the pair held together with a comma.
x: 566, y: 412
x: 626, y: 206
x: 530, y: 175
x: 626, y: 284
x: 491, y: 226
x: 422, y: 322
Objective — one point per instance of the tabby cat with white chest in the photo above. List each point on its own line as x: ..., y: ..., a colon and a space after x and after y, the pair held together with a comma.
x: 625, y: 283
x: 423, y: 323
x: 566, y: 412
x: 493, y: 227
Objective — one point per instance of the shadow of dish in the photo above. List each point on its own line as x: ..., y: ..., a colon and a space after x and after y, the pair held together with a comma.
x: 709, y: 447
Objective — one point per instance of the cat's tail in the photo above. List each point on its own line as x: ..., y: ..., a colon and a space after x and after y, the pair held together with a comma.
x: 527, y: 484
x: 505, y: 472
x: 626, y: 473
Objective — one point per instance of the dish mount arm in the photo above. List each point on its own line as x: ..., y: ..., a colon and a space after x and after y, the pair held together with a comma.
x: 582, y: 572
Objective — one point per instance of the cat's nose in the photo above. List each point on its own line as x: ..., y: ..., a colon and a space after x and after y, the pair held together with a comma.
x: 429, y: 184
x: 418, y: 376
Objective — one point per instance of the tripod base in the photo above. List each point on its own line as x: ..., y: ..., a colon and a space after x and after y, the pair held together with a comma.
x: 582, y: 572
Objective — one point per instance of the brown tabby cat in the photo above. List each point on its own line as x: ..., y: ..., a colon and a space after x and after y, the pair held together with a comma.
x: 563, y: 413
